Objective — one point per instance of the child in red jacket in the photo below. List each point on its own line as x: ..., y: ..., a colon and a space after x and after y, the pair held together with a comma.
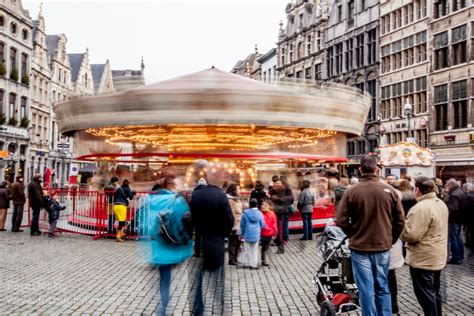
x: 269, y: 231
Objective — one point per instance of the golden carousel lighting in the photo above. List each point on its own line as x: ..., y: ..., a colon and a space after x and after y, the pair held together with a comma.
x: 213, y: 137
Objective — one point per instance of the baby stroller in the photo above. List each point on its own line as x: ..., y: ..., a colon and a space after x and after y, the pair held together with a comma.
x: 337, y: 291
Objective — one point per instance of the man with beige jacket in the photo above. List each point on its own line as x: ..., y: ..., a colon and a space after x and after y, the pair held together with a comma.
x: 426, y: 235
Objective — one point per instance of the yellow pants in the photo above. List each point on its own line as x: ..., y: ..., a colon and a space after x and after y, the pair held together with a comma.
x: 120, y: 212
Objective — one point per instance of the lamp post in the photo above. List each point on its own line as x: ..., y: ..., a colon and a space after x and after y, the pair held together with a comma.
x: 408, y: 108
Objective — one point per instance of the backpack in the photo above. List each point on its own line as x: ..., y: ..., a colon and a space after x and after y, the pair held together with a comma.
x: 175, y: 227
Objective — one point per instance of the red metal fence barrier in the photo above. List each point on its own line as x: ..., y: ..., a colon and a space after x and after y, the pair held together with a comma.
x: 90, y: 213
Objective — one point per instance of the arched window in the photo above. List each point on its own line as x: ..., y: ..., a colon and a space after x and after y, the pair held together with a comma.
x: 24, y: 34
x: 2, y: 102
x: 2, y: 21
x: 13, y: 28
x: 13, y: 57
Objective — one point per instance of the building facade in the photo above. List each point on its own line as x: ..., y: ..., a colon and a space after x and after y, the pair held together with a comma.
x: 404, y: 70
x: 451, y: 32
x: 300, y: 47
x: 249, y: 67
x: 352, y: 58
x: 81, y: 74
x: 40, y: 132
x: 60, y: 150
x: 268, y: 66
x: 16, y: 49
x: 102, y: 78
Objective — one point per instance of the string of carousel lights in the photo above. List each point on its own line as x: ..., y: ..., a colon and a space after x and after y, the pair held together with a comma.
x: 211, y: 137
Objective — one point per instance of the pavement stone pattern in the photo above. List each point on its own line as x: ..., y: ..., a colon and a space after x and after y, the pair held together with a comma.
x: 74, y: 274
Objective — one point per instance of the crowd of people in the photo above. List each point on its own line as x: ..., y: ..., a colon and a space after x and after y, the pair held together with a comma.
x: 389, y: 222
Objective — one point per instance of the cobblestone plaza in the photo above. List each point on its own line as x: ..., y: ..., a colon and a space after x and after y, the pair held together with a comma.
x: 77, y: 275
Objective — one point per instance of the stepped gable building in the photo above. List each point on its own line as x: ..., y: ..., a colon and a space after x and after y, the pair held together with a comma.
x: 451, y: 79
x: 40, y: 133
x: 102, y: 78
x: 300, y: 47
x: 352, y: 58
x: 128, y: 79
x: 249, y: 67
x: 81, y: 74
x: 404, y: 70
x: 16, y: 50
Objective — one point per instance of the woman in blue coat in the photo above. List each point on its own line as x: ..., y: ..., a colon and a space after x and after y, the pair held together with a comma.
x: 163, y: 253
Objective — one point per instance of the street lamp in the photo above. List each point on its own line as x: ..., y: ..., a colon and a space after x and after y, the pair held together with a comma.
x: 408, y: 109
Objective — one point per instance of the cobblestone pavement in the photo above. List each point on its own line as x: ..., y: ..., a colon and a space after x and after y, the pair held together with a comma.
x: 77, y: 275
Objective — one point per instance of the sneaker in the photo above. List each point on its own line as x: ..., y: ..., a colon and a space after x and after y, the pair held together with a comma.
x: 17, y: 230
x: 232, y: 263
x: 51, y: 235
x: 302, y: 238
x: 3, y: 230
x: 265, y: 264
x: 452, y: 261
x: 36, y: 234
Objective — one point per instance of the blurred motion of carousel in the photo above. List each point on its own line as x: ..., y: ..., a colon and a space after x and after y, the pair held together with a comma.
x: 247, y: 130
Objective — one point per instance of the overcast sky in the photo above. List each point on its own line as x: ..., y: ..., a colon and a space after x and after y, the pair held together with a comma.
x: 175, y: 37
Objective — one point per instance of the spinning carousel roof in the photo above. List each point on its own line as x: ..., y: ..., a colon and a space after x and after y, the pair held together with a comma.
x: 213, y: 97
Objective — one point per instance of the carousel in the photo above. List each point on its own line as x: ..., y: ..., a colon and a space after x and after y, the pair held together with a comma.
x: 247, y: 130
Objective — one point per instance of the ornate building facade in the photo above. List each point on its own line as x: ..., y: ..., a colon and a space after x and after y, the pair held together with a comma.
x: 249, y: 67
x: 452, y: 88
x: 300, y: 47
x: 352, y: 58
x: 41, y: 102
x: 404, y: 70
x: 16, y: 50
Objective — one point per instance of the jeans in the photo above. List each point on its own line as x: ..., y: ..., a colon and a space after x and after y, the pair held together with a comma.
x: 17, y: 217
x: 370, y: 271
x: 52, y: 226
x: 234, y: 247
x: 426, y: 285
x: 165, y: 283
x: 283, y: 231
x: 307, y: 226
x: 35, y: 219
x: 455, y: 242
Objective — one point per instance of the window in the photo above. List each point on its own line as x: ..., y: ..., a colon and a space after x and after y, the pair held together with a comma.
x: 13, y: 28
x: 300, y: 50
x: 24, y: 65
x: 24, y: 34
x: 441, y: 8
x: 338, y: 58
x: 459, y: 41
x: 307, y: 73
x: 2, y: 21
x: 459, y: 4
x: 441, y: 107
x: 360, y: 51
x: 441, y: 50
x: 2, y: 101
x: 299, y: 74
x: 330, y: 62
x: 460, y: 103
x: 349, y: 54
x: 2, y: 52
x: 350, y: 11
x: 12, y: 105
x: 361, y: 147
x: 282, y: 59
x: 363, y: 5
x: 24, y: 101
x: 373, y: 144
x: 371, y: 88
x: 371, y: 46
x: 308, y: 45
x: 318, y: 40
x: 291, y: 53
x: 351, y: 148
x: 317, y: 72
x: 339, y: 13
x: 13, y: 59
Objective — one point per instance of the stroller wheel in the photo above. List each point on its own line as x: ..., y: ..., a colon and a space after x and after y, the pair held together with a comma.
x: 319, y: 298
x: 327, y: 309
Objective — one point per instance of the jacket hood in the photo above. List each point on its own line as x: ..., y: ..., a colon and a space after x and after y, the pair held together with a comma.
x: 253, y: 215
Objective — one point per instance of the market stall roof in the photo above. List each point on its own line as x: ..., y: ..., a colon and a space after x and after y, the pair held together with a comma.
x: 213, y: 97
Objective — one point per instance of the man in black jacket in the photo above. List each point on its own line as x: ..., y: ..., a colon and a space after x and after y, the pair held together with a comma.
x: 35, y: 195
x: 455, y: 201
x: 213, y: 220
